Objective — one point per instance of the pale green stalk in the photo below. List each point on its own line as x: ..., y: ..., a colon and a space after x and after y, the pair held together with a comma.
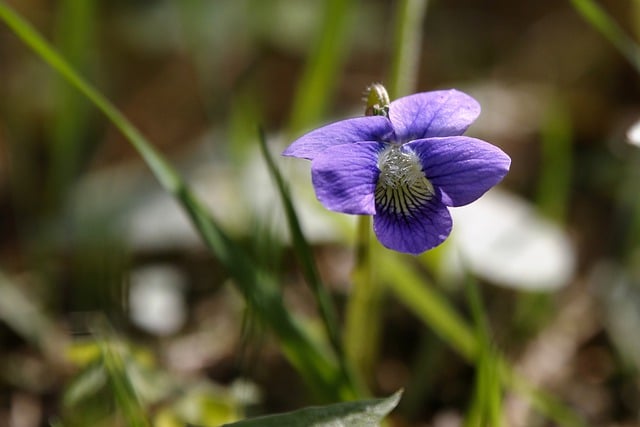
x: 362, y: 325
x: 599, y: 19
x: 433, y: 309
x: 74, y: 38
x: 363, y: 317
x: 127, y: 399
x: 486, y: 406
x: 319, y: 77
x: 406, y: 47
x: 554, y: 184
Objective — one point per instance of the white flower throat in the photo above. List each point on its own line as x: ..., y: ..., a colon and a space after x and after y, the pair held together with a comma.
x: 402, y: 187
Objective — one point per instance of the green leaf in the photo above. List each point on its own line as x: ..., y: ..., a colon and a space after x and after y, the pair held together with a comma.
x: 364, y: 413
x: 87, y: 384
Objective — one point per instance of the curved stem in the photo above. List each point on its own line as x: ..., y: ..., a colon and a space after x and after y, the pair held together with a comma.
x: 362, y: 316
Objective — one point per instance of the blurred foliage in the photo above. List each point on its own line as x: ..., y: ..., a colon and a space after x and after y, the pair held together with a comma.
x: 558, y: 82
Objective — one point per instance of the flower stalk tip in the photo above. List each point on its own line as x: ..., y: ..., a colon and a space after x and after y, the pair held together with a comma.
x: 377, y: 100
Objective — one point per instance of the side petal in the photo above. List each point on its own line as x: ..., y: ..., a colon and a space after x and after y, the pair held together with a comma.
x: 344, y: 177
x: 461, y: 168
x: 430, y: 114
x: 369, y: 128
x: 427, y: 227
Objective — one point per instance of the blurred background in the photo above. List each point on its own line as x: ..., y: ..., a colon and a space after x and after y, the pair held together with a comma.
x: 91, y: 246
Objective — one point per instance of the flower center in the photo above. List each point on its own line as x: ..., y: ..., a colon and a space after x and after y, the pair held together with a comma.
x: 402, y: 186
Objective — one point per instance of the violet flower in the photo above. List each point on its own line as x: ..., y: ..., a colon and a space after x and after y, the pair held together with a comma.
x: 405, y: 166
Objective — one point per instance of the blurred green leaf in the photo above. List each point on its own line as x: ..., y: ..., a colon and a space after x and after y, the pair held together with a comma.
x: 320, y: 75
x: 602, y: 22
x: 406, y: 46
x: 205, y: 407
x: 28, y: 320
x: 74, y: 36
x: 428, y: 304
x: 259, y: 288
x: 127, y: 397
x: 486, y: 407
x: 86, y: 384
x: 364, y: 413
x: 555, y: 177
x: 434, y: 310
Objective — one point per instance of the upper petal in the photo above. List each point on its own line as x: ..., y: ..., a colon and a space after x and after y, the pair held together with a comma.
x: 368, y: 128
x: 430, y: 114
x: 344, y: 177
x: 427, y: 226
x: 460, y: 167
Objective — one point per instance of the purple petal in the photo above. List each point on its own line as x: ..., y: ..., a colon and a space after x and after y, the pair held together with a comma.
x: 344, y: 177
x: 370, y: 128
x: 424, y: 229
x: 460, y: 167
x: 430, y: 114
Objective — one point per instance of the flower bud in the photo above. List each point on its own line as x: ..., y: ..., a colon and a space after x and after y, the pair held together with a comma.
x: 377, y: 101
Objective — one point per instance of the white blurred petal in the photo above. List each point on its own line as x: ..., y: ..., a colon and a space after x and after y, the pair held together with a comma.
x: 501, y: 238
x: 156, y: 299
x: 633, y: 134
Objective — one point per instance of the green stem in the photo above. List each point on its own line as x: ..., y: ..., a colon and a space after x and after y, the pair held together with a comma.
x: 429, y: 305
x: 433, y: 309
x: 310, y: 272
x: 362, y: 333
x: 486, y: 406
x: 362, y: 317
x: 554, y: 184
x: 75, y: 28
x: 598, y: 18
x: 406, y: 47
x: 320, y: 75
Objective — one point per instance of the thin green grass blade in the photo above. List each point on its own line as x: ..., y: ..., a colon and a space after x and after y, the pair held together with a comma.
x: 427, y: 303
x: 305, y: 257
x: 168, y: 178
x: 436, y: 312
x: 486, y: 407
x: 27, y: 319
x: 543, y: 402
x: 319, y: 77
x: 407, y: 42
x: 554, y: 184
x: 74, y: 36
x: 127, y: 399
x: 362, y: 335
x: 598, y: 18
x: 362, y: 318
x: 259, y: 289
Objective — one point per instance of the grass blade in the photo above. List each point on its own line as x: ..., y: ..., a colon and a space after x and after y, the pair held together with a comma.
x: 599, y: 19
x: 406, y: 47
x: 486, y: 408
x: 259, y: 289
x: 319, y: 77
x: 305, y: 257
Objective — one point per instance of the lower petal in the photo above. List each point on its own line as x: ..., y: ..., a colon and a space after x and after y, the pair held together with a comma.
x: 421, y: 229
